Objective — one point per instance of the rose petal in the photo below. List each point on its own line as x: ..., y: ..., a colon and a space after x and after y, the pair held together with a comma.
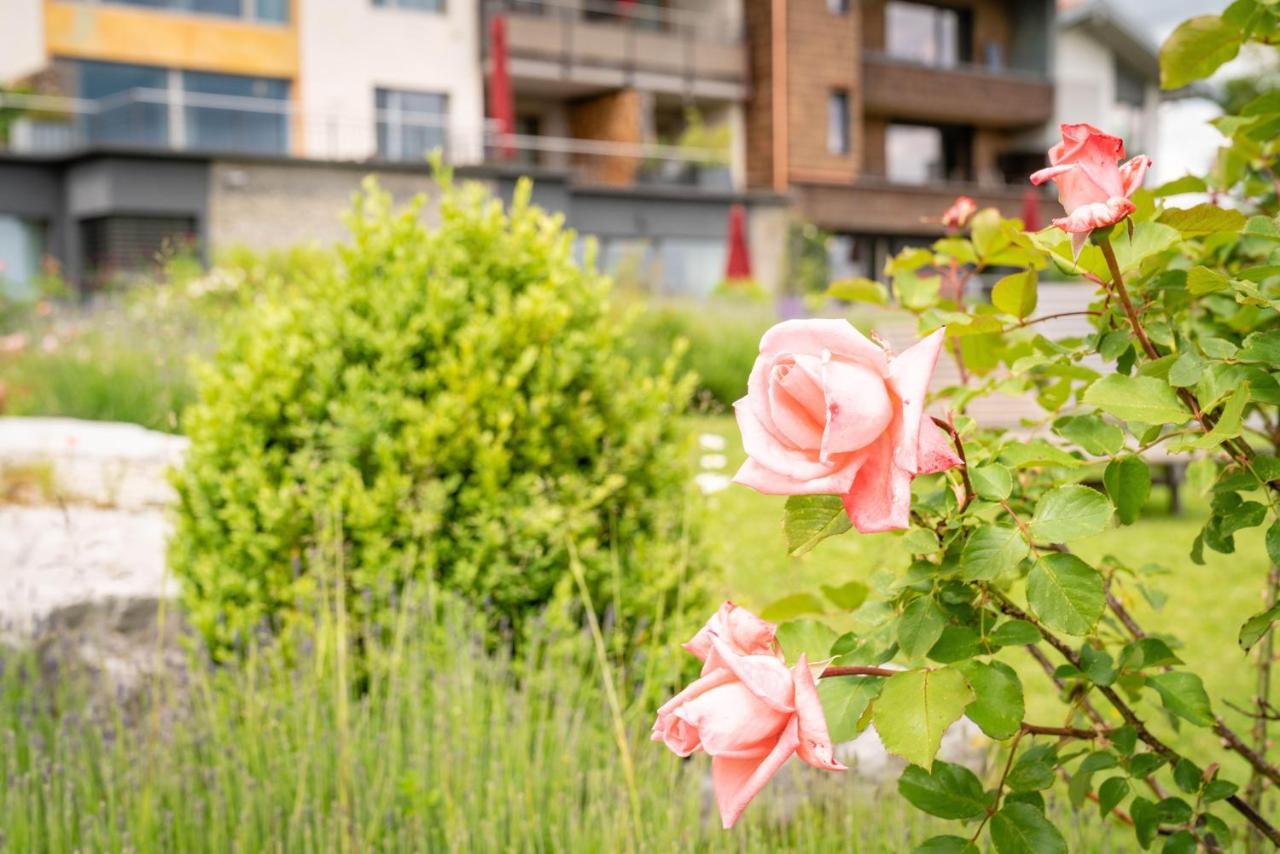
x: 763, y: 447
x: 737, y: 781
x: 1132, y: 173
x: 1086, y: 218
x: 858, y: 406
x: 909, y: 375
x: 880, y: 498
x: 714, y: 679
x: 812, y: 336
x: 796, y: 402
x: 764, y: 675
x: 731, y: 719
x: 769, y: 482
x: 814, y: 744
x: 936, y: 451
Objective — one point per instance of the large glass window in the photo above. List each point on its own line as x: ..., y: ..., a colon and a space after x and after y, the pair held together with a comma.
x: 838, y: 121
x: 139, y: 105
x: 21, y: 248
x: 274, y: 11
x: 420, y: 5
x: 131, y: 103
x: 225, y: 112
x: 923, y: 154
x: 1131, y: 89
x: 410, y: 124
x: 931, y: 35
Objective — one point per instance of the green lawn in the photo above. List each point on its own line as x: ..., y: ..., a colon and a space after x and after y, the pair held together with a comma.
x: 1205, y: 607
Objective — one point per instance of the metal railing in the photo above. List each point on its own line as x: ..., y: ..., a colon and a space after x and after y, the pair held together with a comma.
x: 638, y: 15
x: 161, y: 120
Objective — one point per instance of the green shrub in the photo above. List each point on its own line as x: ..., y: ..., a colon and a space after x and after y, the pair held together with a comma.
x: 720, y: 338
x: 451, y: 405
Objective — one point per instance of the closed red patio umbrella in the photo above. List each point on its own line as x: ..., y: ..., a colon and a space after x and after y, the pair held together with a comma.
x: 738, y: 265
x: 502, y: 106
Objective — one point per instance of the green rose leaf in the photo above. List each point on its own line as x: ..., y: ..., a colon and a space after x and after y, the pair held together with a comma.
x: 1183, y: 694
x: 792, y: 606
x: 810, y: 637
x: 992, y: 481
x: 1022, y: 829
x: 1202, y: 219
x: 947, y: 845
x: 845, y: 701
x: 916, y: 707
x: 1111, y: 793
x: 1257, y: 626
x: 1128, y: 482
x: 847, y: 596
x: 1069, y: 513
x: 1196, y: 49
x: 1146, y: 400
x: 948, y: 791
x: 999, y: 707
x: 1014, y: 633
x: 1091, y: 433
x: 1066, y: 593
x: 810, y: 519
x: 991, y: 551
x: 919, y: 627
x: 858, y: 290
x: 1016, y: 294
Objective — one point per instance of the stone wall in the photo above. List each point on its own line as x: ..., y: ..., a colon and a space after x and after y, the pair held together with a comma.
x: 277, y: 205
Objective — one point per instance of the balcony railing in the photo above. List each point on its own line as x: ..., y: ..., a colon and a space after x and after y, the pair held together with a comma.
x: 154, y: 120
x: 581, y: 41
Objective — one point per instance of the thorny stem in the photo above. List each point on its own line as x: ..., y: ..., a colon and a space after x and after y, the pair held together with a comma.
x: 1266, y: 652
x: 1256, y: 758
x: 1130, y: 716
x: 995, y: 806
x: 949, y: 426
x: 858, y: 670
x: 1238, y: 451
x: 1031, y: 321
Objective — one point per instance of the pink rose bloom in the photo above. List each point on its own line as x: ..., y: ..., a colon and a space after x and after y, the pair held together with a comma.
x: 750, y: 714
x: 743, y: 631
x: 1093, y: 186
x: 828, y: 412
x: 959, y: 212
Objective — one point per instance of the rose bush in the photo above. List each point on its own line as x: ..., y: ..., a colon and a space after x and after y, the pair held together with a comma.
x: 1183, y: 354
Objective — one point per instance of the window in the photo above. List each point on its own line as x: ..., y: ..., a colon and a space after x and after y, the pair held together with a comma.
x: 420, y: 5
x: 930, y: 35
x: 21, y: 248
x: 838, y: 122
x: 118, y: 245
x: 138, y: 105
x: 410, y: 124
x: 837, y: 7
x: 274, y: 11
x: 132, y: 108
x: 924, y: 154
x: 1130, y: 87
x: 226, y: 112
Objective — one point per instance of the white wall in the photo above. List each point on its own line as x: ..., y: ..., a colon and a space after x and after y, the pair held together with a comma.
x: 1085, y: 87
x: 21, y: 38
x: 351, y: 47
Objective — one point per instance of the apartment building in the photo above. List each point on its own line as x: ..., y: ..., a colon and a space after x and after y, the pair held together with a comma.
x: 875, y: 114
x: 251, y: 121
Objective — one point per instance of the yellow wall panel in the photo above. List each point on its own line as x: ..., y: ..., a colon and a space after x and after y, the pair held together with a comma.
x: 170, y: 39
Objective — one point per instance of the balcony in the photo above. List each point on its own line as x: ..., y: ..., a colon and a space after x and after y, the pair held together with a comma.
x: 959, y: 94
x: 595, y: 45
x: 874, y: 205
x: 160, y: 121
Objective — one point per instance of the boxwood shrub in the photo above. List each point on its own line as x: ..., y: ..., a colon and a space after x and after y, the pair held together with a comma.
x: 447, y: 406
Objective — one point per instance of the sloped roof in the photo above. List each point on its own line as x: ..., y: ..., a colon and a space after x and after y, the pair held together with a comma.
x: 1112, y: 28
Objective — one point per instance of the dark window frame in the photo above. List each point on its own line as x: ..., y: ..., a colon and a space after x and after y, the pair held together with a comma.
x: 839, y: 142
